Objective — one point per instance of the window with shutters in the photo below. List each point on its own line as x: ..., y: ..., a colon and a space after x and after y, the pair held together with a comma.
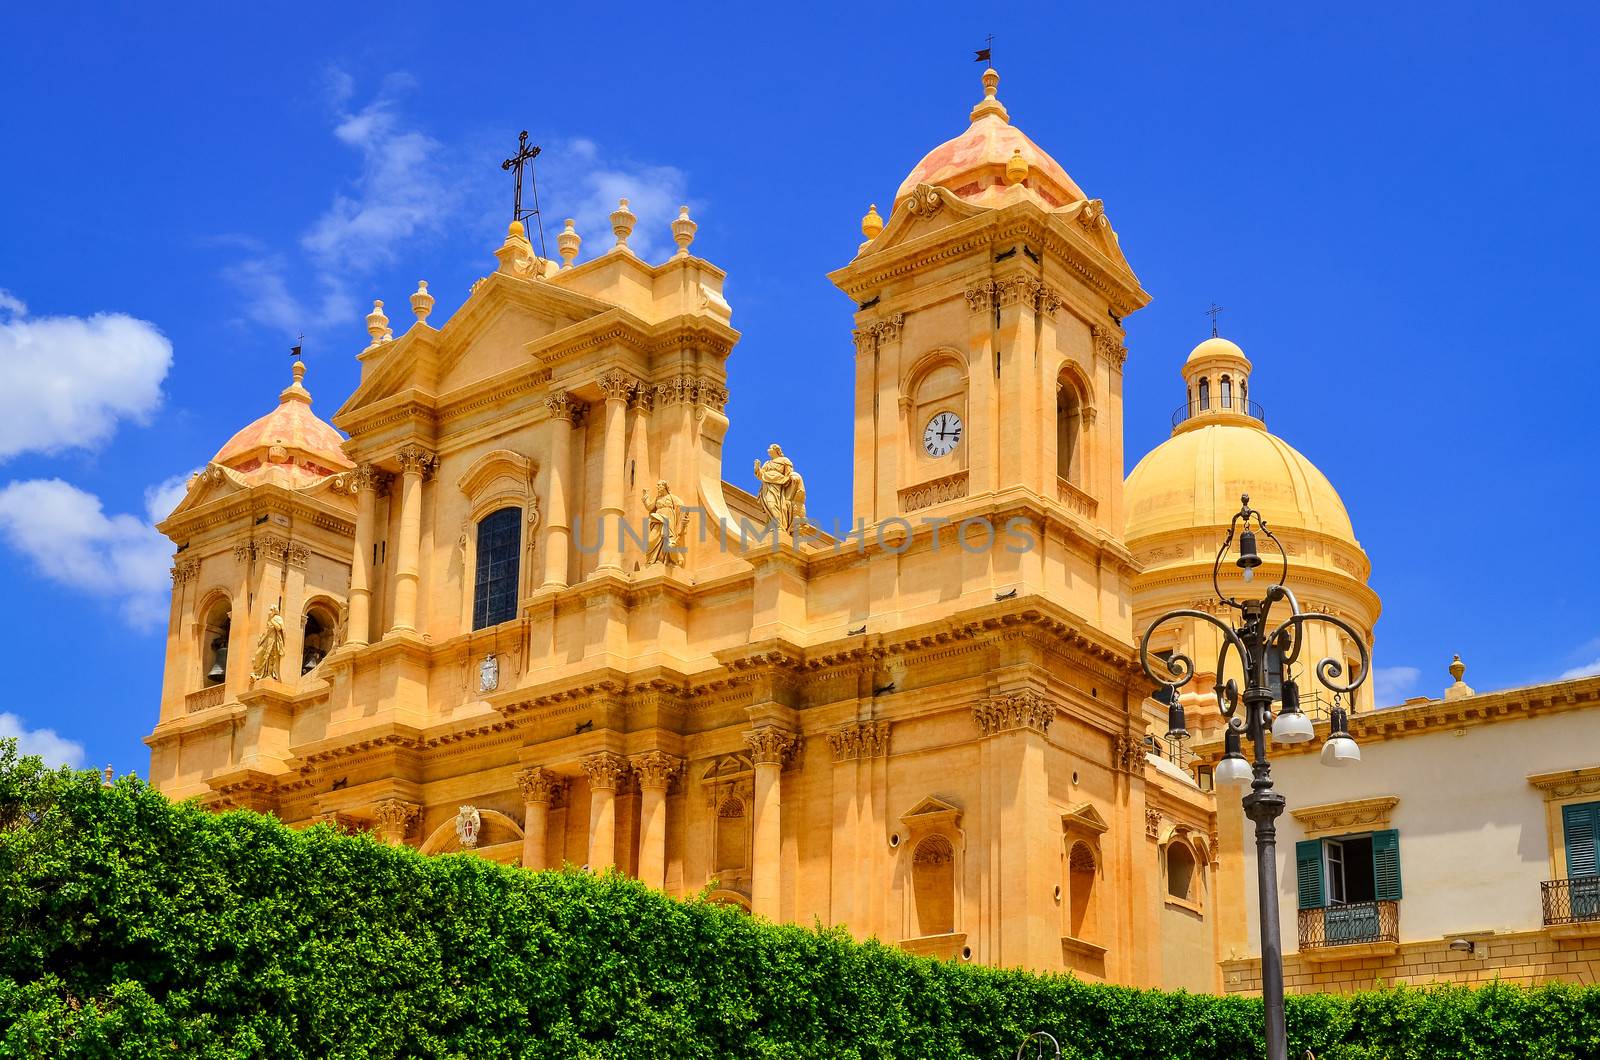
x: 1348, y: 887
x: 494, y: 597
x: 1580, y: 834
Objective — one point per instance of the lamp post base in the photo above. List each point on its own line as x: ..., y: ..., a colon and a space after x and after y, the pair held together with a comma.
x: 1264, y: 806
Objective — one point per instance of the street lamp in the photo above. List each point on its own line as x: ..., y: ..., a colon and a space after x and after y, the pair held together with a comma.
x: 1256, y: 640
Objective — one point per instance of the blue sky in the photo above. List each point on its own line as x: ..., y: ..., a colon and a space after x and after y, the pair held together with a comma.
x: 1395, y: 204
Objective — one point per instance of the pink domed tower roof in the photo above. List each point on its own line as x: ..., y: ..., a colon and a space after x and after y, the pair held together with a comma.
x: 289, y: 442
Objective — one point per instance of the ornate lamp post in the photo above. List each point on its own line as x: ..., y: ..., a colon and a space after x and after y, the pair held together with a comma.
x: 1265, y: 650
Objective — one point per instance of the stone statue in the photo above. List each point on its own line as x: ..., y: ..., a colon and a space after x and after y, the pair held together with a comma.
x: 669, y: 520
x: 783, y: 492
x: 269, y: 649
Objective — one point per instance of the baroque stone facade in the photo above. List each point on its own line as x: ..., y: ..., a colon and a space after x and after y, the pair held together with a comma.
x: 932, y: 735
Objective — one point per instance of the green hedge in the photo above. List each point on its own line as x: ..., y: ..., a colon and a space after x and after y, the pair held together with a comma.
x: 131, y: 928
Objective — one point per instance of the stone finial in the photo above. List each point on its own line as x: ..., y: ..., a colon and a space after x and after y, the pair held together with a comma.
x: 377, y: 323
x: 567, y: 244
x: 990, y: 104
x: 622, y: 222
x: 296, y: 391
x: 683, y: 231
x: 1459, y: 688
x: 108, y: 776
x: 515, y: 230
x: 871, y: 224
x: 422, y: 302
x: 1016, y: 167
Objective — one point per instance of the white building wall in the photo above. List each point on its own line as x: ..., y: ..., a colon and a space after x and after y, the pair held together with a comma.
x: 1474, y: 842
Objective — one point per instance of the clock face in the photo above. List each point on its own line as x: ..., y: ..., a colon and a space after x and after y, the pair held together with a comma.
x: 942, y: 434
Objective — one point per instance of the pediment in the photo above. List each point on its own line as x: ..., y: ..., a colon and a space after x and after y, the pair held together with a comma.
x: 1085, y: 818
x: 932, y: 812
x: 927, y: 209
x: 210, y: 483
x: 729, y: 767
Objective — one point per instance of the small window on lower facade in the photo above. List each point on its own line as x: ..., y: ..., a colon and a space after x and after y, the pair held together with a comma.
x: 1348, y: 888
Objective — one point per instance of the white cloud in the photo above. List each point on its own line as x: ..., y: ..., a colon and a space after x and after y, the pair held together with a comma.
x: 55, y: 750
x: 69, y: 538
x: 584, y: 184
x: 163, y: 497
x: 82, y: 376
x: 1588, y: 669
x: 1391, y: 684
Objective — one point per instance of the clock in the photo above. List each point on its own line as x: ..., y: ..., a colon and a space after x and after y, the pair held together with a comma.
x: 942, y: 434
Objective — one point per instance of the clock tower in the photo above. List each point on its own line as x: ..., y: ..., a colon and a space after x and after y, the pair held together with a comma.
x: 989, y: 338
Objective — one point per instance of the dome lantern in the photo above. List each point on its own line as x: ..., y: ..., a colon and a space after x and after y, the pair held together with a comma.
x: 1216, y: 379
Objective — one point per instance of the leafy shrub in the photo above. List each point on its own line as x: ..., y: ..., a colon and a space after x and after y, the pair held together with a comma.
x: 131, y: 927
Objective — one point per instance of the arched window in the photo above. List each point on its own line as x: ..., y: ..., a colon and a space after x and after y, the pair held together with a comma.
x: 733, y: 834
x: 320, y: 625
x: 1180, y: 871
x: 1080, y: 891
x: 933, y: 885
x: 494, y: 596
x: 214, y: 642
x: 1069, y: 425
x: 1227, y: 392
x: 1205, y: 394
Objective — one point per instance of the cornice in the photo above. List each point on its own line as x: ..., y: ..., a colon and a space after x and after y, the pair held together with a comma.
x: 1566, y: 783
x: 1355, y: 815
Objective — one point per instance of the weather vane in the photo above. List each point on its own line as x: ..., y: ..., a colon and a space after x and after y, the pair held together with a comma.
x: 525, y: 155
x: 986, y: 55
x: 1212, y: 313
x: 294, y: 351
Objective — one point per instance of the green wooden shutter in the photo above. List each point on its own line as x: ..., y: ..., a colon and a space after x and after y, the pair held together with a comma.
x: 1581, y: 825
x: 1308, y: 872
x: 1386, y: 865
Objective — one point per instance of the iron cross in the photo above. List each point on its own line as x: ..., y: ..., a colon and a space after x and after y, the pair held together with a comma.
x: 1212, y: 313
x: 525, y: 154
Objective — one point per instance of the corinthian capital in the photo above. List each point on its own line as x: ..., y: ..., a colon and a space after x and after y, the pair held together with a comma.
x: 394, y: 817
x: 655, y: 769
x: 1024, y: 709
x: 415, y: 460
x: 605, y: 770
x: 770, y: 746
x: 563, y: 406
x: 617, y: 385
x: 541, y: 785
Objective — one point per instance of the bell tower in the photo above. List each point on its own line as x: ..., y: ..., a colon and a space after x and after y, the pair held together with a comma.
x: 989, y: 338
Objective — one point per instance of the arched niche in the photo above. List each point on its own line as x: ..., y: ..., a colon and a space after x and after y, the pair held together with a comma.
x: 936, y: 383
x: 212, y: 629
x: 1075, y: 413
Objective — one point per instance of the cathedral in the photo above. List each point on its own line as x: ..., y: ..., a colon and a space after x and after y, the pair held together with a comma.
x: 508, y: 598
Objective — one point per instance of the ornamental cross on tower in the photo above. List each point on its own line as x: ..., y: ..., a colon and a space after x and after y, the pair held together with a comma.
x: 986, y: 55
x: 1212, y: 313
x: 525, y: 155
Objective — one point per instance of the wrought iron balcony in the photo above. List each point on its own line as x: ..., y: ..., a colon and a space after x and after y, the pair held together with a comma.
x: 1349, y: 924
x: 1571, y: 901
x: 1236, y: 406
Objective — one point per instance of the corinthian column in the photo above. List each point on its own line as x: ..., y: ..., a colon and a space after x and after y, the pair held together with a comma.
x: 769, y: 749
x: 605, y: 772
x: 655, y: 771
x: 394, y: 817
x: 565, y: 412
x: 540, y: 788
x: 358, y: 628
x: 415, y: 463
x: 614, y: 465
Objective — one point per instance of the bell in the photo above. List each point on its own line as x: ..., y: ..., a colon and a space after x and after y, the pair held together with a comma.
x: 1248, y: 559
x: 216, y: 673
x: 219, y: 661
x: 1177, y: 729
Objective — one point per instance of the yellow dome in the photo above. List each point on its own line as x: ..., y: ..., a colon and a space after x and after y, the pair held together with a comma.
x: 1195, y: 478
x: 974, y: 165
x: 1216, y: 347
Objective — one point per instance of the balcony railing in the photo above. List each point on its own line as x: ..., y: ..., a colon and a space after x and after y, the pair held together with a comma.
x: 1571, y: 901
x: 1349, y: 924
x: 1236, y: 405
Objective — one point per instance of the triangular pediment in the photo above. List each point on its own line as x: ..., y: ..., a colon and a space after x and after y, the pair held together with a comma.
x: 926, y: 210
x: 1084, y: 817
x: 210, y: 483
x: 930, y: 812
